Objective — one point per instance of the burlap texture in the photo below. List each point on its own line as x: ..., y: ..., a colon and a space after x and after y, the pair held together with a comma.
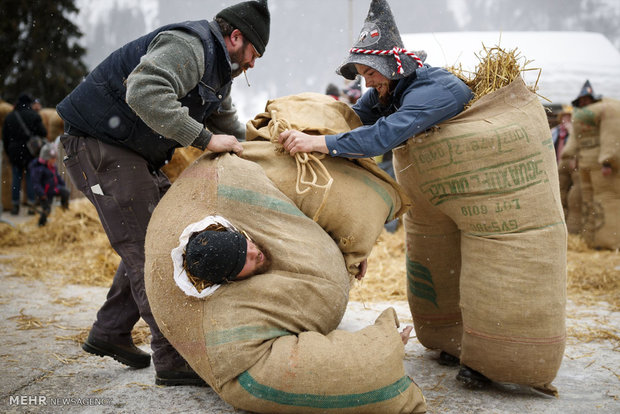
x: 312, y: 113
x: 344, y: 372
x: 362, y: 197
x: 357, y: 206
x: 249, y: 329
x: 570, y: 187
x: 597, y: 131
x: 488, y: 175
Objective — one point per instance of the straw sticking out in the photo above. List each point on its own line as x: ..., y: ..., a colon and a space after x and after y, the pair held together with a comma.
x: 497, y: 68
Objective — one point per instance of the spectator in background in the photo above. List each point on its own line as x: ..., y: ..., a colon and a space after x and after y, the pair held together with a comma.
x: 353, y: 91
x: 19, y: 125
x: 596, y: 129
x: 36, y: 105
x: 561, y: 132
x: 46, y: 181
x: 333, y: 91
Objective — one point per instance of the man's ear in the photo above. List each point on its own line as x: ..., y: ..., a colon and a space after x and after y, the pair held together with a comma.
x: 236, y: 39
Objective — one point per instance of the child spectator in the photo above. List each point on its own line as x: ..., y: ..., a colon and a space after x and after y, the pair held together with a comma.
x: 46, y: 181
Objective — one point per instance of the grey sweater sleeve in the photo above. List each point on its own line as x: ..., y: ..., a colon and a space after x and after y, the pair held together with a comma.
x: 172, y: 66
x: 226, y: 121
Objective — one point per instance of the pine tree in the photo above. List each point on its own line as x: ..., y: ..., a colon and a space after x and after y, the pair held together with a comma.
x: 39, y: 52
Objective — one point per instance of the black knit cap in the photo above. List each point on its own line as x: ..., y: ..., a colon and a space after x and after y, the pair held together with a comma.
x: 216, y: 256
x: 252, y: 18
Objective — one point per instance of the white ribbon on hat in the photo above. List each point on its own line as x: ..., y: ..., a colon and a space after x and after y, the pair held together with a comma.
x: 396, y: 51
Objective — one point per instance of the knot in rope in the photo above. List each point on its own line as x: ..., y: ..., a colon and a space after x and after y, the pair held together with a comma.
x: 311, y: 172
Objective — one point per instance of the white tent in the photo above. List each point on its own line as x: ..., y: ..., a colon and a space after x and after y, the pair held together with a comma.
x: 567, y: 59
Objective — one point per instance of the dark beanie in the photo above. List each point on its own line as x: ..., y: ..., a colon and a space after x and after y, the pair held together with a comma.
x: 24, y: 99
x: 252, y: 18
x: 216, y: 256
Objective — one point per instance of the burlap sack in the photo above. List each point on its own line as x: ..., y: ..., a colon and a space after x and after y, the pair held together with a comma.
x: 244, y: 339
x: 597, y: 130
x: 486, y: 182
x: 180, y: 160
x: 362, y: 197
x: 570, y: 187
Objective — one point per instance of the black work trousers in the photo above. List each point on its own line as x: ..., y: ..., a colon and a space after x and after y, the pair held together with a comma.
x: 125, y: 192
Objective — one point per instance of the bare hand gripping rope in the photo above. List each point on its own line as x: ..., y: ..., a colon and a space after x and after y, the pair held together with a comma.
x: 310, y: 169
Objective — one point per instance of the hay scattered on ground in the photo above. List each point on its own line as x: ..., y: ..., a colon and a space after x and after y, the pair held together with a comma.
x: 141, y: 334
x: 72, y: 244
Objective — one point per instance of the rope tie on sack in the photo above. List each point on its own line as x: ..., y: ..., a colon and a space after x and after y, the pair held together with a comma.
x: 310, y: 169
x: 396, y: 51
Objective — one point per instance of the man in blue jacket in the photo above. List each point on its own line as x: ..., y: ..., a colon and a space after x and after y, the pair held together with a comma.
x: 405, y: 97
x: 123, y: 123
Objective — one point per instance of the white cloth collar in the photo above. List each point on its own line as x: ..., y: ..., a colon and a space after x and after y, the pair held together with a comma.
x: 180, y: 276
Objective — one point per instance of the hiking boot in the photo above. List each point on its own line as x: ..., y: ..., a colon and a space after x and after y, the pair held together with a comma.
x: 129, y: 355
x: 184, y: 375
x: 472, y: 379
x: 42, y: 220
x: 448, y: 360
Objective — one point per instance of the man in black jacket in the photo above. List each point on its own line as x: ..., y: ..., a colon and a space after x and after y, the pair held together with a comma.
x: 123, y: 123
x: 18, y: 126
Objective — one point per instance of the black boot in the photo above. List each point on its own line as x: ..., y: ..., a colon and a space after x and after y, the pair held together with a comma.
x: 42, y: 220
x: 472, y: 379
x: 183, y: 375
x: 448, y: 360
x: 15, y: 210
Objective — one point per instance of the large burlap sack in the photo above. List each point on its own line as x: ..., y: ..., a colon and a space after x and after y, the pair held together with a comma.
x: 360, y: 199
x: 570, y: 187
x: 249, y: 340
x: 487, y: 228
x: 180, y: 160
x: 597, y: 131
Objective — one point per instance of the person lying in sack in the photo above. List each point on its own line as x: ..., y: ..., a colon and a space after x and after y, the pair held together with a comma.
x: 213, y: 252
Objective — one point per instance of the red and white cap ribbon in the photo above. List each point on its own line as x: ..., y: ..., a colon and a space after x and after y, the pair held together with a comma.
x: 396, y: 51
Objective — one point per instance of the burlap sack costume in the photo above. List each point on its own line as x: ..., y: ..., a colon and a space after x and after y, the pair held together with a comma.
x: 597, y: 131
x: 267, y: 344
x: 486, y: 239
x: 570, y: 186
x: 361, y: 198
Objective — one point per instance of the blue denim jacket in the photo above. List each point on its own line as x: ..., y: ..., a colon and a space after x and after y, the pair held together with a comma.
x: 424, y: 99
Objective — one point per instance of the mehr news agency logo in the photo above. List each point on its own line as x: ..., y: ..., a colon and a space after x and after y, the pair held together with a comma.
x: 45, y: 400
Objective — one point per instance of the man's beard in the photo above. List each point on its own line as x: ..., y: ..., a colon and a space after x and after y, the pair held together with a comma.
x: 235, y: 62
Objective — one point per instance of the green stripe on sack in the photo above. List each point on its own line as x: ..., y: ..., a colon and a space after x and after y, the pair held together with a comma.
x: 377, y: 189
x: 258, y: 199
x: 243, y: 334
x: 265, y: 392
x: 417, y: 288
